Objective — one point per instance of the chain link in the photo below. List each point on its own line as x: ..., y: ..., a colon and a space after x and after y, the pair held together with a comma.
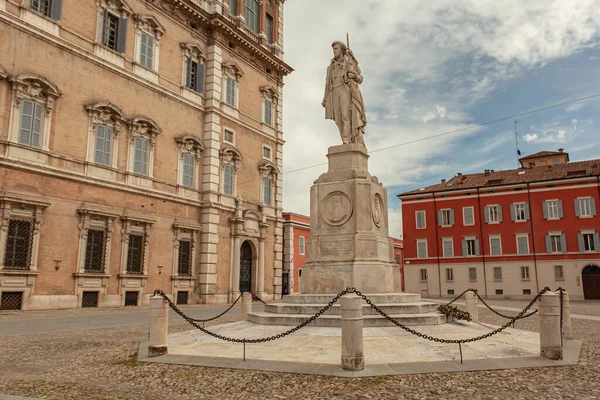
x: 220, y: 315
x: 561, y: 290
x: 502, y: 315
x: 462, y: 294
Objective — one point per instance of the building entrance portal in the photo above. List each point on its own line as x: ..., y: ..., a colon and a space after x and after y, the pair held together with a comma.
x: 246, y: 267
x: 591, y: 282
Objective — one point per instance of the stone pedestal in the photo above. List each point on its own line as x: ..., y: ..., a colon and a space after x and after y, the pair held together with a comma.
x: 349, y: 244
x: 353, y: 357
x: 246, y: 305
x: 159, y: 326
x: 550, y: 335
x: 471, y: 299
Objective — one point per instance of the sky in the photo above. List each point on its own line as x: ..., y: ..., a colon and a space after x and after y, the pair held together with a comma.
x: 435, y: 67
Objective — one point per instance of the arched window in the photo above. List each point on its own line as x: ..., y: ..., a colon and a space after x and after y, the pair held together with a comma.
x: 190, y: 150
x: 105, y: 123
x: 269, y: 173
x: 230, y: 159
x: 143, y: 132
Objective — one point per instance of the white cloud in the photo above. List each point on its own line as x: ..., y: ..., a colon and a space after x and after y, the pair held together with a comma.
x: 530, y: 137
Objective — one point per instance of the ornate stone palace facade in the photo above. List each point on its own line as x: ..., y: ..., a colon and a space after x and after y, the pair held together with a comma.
x: 141, y: 147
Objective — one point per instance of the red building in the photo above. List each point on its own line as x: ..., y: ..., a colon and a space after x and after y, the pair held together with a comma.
x: 296, y: 231
x: 507, y: 233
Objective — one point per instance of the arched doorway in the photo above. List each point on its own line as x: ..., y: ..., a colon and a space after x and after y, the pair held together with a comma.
x: 246, y: 267
x: 591, y: 282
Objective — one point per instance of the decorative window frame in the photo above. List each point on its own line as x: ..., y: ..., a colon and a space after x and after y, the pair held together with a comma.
x: 49, y: 22
x: 3, y: 73
x: 136, y: 225
x: 451, y: 240
x: 149, y: 25
x: 184, y: 230
x: 35, y: 88
x: 192, y: 51
x: 148, y: 129
x: 22, y: 206
x: 268, y: 170
x: 120, y: 9
x: 230, y: 155
x: 472, y: 215
x: 426, y: 248
x: 424, y: 219
x: 265, y: 146
x: 519, y: 235
x: 108, y: 114
x: 231, y: 69
x: 225, y: 129
x: 189, y: 144
x: 499, y: 237
x: 268, y: 93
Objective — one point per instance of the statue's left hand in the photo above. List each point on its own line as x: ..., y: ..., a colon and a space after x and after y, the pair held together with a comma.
x: 351, y: 75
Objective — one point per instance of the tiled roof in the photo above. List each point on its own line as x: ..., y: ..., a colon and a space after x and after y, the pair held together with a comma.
x: 543, y: 154
x: 575, y: 169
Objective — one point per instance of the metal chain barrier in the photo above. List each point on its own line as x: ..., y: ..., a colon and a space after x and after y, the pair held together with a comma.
x: 257, y: 298
x: 461, y: 295
x: 502, y: 315
x: 561, y: 290
x: 220, y: 315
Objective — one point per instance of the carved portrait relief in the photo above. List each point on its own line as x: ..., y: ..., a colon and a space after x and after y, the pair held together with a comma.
x: 337, y: 208
x: 378, y: 215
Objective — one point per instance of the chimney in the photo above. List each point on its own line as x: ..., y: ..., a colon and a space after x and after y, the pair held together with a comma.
x: 458, y: 174
x: 443, y: 181
x: 487, y: 172
x: 531, y: 164
x: 561, y: 150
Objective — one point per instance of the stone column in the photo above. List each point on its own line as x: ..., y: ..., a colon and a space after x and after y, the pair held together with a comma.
x: 159, y: 326
x: 471, y: 298
x: 550, y: 335
x: 246, y: 305
x: 260, y: 284
x: 353, y: 358
x: 235, y: 288
x: 567, y: 327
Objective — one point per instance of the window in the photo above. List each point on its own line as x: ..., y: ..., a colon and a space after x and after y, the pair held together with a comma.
x: 519, y: 212
x: 267, y: 187
x: 31, y: 123
x: 588, y: 241
x: 525, y: 273
x: 184, y: 260
x: 228, y: 136
x: 194, y: 76
x: 526, y: 291
x: 495, y: 246
x: 110, y: 32
x: 421, y: 248
x: 493, y: 214
x: 468, y: 219
x: 449, y: 274
x: 497, y: 273
x: 556, y: 243
x: 423, y: 274
x: 470, y: 247
x: 446, y: 217
x: 268, y: 111
x: 228, y: 179
x: 472, y: 274
x: 41, y: 6
x: 140, y: 161
x: 188, y: 170
x: 448, y: 247
x: 19, y: 239
x: 499, y: 291
x: 420, y: 219
x: 135, y: 254
x: 251, y: 14
x: 94, y: 250
x: 553, y: 209
x: 266, y: 152
x: 450, y: 291
x: 230, y: 91
x: 301, y: 244
x: 233, y: 7
x: 102, y: 152
x: 269, y: 28
x: 585, y: 207
x: 147, y: 51
x: 522, y: 244
x: 558, y: 273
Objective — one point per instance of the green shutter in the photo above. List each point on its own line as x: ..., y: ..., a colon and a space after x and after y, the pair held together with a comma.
x: 200, y: 78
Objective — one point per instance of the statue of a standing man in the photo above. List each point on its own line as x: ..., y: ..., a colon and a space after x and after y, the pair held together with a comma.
x: 343, y: 100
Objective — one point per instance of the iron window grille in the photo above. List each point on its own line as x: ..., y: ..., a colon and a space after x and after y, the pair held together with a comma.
x: 19, y: 243
x: 94, y: 251
x: 131, y: 298
x: 11, y: 300
x: 135, y: 254
x: 185, y: 258
x: 182, y: 297
x: 89, y: 299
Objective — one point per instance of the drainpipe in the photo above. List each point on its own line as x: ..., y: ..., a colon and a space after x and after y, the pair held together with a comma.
x: 537, y: 283
x: 482, y: 245
x: 437, y: 245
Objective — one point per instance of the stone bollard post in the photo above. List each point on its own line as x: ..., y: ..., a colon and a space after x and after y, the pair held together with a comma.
x: 159, y: 326
x: 353, y: 358
x: 550, y: 335
x: 471, y: 298
x: 246, y: 305
x: 567, y: 327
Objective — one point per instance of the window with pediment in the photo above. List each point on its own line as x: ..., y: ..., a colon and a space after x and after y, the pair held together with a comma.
x: 194, y: 68
x: 269, y: 99
x: 105, y: 123
x: 268, y: 173
x: 33, y: 103
x: 231, y: 78
x: 230, y: 160
x: 148, y: 32
x: 113, y: 17
x: 95, y: 234
x: 142, y: 138
x: 135, y: 236
x: 190, y: 150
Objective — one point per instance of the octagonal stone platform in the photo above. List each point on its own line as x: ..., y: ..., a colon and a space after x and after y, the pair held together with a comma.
x: 406, y: 308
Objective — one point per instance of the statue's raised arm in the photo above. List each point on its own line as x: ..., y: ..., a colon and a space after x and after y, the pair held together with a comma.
x: 343, y: 100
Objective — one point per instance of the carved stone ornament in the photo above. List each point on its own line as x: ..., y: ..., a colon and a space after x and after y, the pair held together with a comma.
x: 230, y: 155
x: 105, y: 113
x: 144, y: 127
x: 232, y: 68
x: 337, y: 208
x: 268, y: 169
x: 378, y: 214
x: 268, y: 91
x: 35, y: 87
x: 192, y: 50
x: 117, y: 6
x: 190, y: 144
x: 149, y: 24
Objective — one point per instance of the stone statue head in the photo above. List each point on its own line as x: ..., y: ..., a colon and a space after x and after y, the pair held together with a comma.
x: 339, y: 48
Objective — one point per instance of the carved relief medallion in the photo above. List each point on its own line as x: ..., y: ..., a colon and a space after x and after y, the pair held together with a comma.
x: 377, y: 210
x: 336, y: 208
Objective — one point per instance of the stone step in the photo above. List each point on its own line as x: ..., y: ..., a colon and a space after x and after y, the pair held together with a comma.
x: 389, y: 308
x: 265, y: 318
x: 377, y: 298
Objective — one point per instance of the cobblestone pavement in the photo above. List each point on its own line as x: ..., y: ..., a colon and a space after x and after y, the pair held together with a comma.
x: 101, y: 364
